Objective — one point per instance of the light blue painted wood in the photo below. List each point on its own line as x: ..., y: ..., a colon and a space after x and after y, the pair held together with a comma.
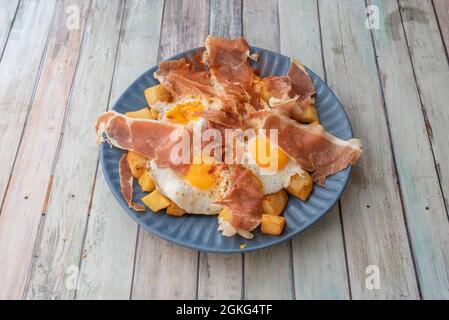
x: 374, y: 228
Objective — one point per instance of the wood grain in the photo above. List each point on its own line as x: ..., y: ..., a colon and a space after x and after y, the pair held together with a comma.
x: 220, y: 275
x: 373, y: 220
x: 185, y: 25
x: 109, y: 250
x: 268, y: 274
x: 442, y: 13
x: 21, y: 60
x: 432, y: 76
x: 318, y: 254
x: 423, y: 201
x: 62, y: 236
x: 226, y: 18
x: 25, y: 199
x: 7, y: 14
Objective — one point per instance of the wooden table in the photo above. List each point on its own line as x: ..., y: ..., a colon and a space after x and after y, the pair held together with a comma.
x: 63, y: 236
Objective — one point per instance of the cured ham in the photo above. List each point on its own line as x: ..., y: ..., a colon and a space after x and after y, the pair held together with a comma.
x: 183, y: 80
x: 292, y: 93
x: 313, y: 148
x: 126, y: 184
x: 150, y: 138
x: 244, y: 198
x: 228, y: 65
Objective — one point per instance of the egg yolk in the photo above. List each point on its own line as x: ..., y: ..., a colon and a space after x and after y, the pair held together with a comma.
x: 203, y: 175
x: 267, y: 156
x: 185, y: 112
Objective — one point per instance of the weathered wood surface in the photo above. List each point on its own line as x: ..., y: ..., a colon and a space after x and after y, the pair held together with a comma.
x: 318, y: 254
x: 7, y: 16
x: 162, y: 269
x: 422, y: 196
x: 105, y: 272
x: 219, y: 275
x: 373, y: 220
x: 61, y: 242
x: 24, y: 200
x: 58, y: 222
x: 442, y: 13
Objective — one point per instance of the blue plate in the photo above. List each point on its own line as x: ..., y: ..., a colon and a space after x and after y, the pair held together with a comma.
x: 200, y: 232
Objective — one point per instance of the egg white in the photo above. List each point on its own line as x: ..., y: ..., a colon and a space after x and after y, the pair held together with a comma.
x: 190, y: 198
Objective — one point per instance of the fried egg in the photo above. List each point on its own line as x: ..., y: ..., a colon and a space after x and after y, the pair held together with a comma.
x: 269, y: 163
x: 197, y: 191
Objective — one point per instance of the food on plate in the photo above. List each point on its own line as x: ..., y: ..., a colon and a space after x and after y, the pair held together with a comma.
x: 272, y: 225
x: 157, y: 93
x: 143, y: 113
x: 301, y: 185
x: 174, y: 210
x: 146, y: 181
x: 217, y: 139
x: 137, y: 164
x: 156, y: 201
x: 275, y: 203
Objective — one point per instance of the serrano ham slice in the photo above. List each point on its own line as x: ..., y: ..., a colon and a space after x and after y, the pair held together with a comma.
x: 126, y: 184
x: 183, y: 80
x: 244, y: 198
x: 150, y: 138
x: 292, y: 93
x: 313, y: 148
x: 228, y: 65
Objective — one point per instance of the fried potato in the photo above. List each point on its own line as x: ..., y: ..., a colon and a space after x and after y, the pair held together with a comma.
x: 154, y: 114
x: 143, y: 113
x: 272, y: 225
x: 301, y: 186
x: 225, y: 214
x: 146, y: 181
x: 274, y: 204
x: 174, y: 210
x: 156, y: 201
x: 137, y: 164
x: 309, y: 114
x: 157, y: 93
x: 264, y: 93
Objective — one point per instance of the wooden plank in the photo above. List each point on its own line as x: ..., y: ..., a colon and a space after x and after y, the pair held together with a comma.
x: 373, y: 219
x: 432, y: 77
x: 62, y: 236
x: 426, y: 214
x: 442, y: 12
x: 184, y: 26
x: 220, y: 276
x: 7, y: 14
x: 226, y: 18
x: 109, y: 251
x: 21, y: 60
x: 268, y: 274
x: 318, y: 254
x: 25, y: 199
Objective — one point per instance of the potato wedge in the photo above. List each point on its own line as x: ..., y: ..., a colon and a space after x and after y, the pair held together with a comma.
x: 156, y: 201
x: 301, y: 186
x: 146, y: 181
x: 137, y: 164
x: 310, y: 114
x: 174, y: 210
x: 157, y: 93
x: 275, y: 203
x: 272, y: 225
x: 143, y: 113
